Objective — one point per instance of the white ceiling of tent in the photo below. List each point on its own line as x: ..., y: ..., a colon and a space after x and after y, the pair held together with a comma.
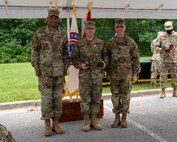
x: 149, y: 9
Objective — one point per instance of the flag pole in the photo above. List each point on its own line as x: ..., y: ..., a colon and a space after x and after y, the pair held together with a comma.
x: 73, y: 10
x: 56, y: 4
x: 73, y: 79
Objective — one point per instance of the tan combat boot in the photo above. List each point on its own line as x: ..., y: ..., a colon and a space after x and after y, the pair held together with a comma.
x: 56, y: 128
x: 86, y: 124
x: 174, y: 92
x: 163, y: 94
x: 124, y: 121
x: 47, y: 129
x: 94, y: 122
x: 116, y: 122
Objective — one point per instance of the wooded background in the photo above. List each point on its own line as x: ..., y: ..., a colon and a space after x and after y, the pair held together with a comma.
x: 16, y: 35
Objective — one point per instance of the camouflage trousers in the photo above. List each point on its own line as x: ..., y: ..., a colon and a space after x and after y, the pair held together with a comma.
x: 164, y: 68
x: 120, y: 90
x: 154, y: 70
x: 90, y: 93
x: 51, y: 96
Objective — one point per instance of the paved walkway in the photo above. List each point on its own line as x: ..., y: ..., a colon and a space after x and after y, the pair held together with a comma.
x: 151, y: 119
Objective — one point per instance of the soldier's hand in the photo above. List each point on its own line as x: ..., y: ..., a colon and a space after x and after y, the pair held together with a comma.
x: 166, y: 48
x: 38, y: 73
x: 162, y: 50
x: 159, y: 49
x: 134, y: 78
x: 174, y: 49
x: 84, y: 66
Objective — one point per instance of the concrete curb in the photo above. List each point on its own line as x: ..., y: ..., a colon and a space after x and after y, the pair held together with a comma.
x: 142, y: 93
x: 20, y: 104
x: 37, y: 103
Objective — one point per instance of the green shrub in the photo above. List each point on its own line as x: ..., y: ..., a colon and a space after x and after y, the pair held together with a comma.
x: 12, y: 52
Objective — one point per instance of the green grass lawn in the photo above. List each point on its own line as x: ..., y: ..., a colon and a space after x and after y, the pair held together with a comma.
x: 18, y: 83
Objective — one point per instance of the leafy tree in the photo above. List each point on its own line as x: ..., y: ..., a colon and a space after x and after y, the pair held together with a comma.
x: 16, y: 35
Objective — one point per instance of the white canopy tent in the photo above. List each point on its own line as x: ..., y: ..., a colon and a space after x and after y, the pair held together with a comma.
x: 148, y: 9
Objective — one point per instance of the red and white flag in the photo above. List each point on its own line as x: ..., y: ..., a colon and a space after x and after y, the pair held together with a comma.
x: 73, y: 79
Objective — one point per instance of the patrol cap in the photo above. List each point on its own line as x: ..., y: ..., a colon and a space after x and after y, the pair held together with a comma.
x: 53, y: 11
x: 168, y: 25
x: 89, y: 24
x: 119, y: 22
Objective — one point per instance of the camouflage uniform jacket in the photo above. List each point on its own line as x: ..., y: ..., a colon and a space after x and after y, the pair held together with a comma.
x: 123, y: 57
x: 94, y: 52
x: 156, y: 53
x: 166, y: 40
x: 5, y: 135
x: 50, y: 52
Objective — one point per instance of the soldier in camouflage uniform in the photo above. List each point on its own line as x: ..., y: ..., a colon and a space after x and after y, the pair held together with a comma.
x: 50, y: 59
x: 155, y: 61
x: 90, y: 57
x: 124, y: 65
x: 167, y: 45
x: 5, y: 135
